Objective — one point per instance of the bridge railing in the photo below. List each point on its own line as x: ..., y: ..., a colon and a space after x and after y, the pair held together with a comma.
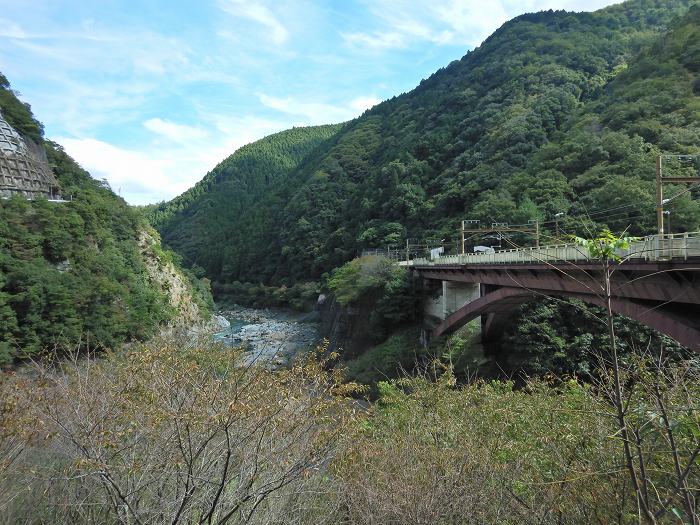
x: 651, y: 248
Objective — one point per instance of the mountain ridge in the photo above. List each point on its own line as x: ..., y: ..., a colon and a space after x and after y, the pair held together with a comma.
x: 474, y: 140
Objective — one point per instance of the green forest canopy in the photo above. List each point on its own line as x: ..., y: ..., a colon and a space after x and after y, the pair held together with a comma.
x: 555, y: 112
x: 71, y: 273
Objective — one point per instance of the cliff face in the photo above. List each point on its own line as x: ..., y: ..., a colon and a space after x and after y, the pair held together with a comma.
x: 347, y: 328
x: 188, y: 308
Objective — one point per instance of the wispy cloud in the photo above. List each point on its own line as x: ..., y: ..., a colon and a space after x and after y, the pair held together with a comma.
x: 153, y: 98
x: 450, y: 22
x: 180, y: 133
x: 141, y: 175
x: 157, y: 170
x: 376, y: 40
x: 314, y: 113
x: 364, y: 103
x: 406, y: 22
x: 257, y: 12
x: 10, y: 29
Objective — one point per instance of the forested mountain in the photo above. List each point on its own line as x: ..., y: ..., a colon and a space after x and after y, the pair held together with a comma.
x: 82, y: 272
x: 228, y: 217
x: 554, y: 112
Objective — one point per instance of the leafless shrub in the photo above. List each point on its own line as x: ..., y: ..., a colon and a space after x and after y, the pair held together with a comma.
x: 483, y: 453
x: 165, y: 434
x: 172, y: 433
x: 659, y: 405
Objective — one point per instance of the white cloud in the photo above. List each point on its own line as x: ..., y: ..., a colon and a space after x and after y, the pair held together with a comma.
x: 10, y: 29
x: 107, y: 50
x: 455, y: 22
x: 315, y: 113
x: 158, y: 170
x: 134, y: 174
x: 179, y: 155
x: 259, y: 13
x: 451, y: 22
x: 376, y: 40
x: 98, y: 76
x: 243, y: 130
x: 312, y: 112
x: 175, y: 132
x: 153, y: 172
x: 364, y: 103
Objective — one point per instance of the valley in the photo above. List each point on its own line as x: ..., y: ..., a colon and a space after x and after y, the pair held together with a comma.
x: 475, y: 301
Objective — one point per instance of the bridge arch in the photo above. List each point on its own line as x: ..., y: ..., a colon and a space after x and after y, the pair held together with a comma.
x: 505, y: 299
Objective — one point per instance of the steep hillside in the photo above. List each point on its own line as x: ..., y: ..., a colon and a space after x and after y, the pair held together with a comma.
x: 227, y: 217
x: 552, y: 113
x: 607, y: 151
x: 606, y: 156
x: 74, y: 273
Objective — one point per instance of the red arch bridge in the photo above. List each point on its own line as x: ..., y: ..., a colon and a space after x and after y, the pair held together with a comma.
x: 656, y: 282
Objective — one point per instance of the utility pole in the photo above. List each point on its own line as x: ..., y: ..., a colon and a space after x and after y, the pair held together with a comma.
x: 661, y: 180
x: 474, y: 227
x: 659, y: 198
x: 537, y: 231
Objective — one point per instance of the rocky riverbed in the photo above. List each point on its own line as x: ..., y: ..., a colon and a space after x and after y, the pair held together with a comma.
x: 269, y: 336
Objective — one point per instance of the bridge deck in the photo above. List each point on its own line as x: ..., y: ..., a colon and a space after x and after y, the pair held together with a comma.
x: 655, y: 248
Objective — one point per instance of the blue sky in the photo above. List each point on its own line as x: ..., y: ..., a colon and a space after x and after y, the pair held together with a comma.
x: 153, y: 94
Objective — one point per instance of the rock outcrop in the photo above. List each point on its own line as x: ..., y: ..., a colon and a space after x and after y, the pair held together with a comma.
x: 166, y: 277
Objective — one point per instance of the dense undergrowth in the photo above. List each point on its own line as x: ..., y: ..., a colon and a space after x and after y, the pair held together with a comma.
x: 384, y: 310
x: 170, y: 433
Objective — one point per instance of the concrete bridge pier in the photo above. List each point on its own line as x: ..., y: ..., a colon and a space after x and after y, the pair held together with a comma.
x: 456, y: 294
x: 657, y: 283
x: 450, y: 296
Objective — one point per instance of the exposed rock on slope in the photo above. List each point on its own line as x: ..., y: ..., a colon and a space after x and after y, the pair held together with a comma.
x: 166, y: 277
x: 79, y: 273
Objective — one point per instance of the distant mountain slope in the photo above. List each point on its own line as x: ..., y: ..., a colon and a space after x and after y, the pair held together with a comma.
x: 225, y: 217
x: 80, y: 272
x: 554, y: 112
x: 607, y: 151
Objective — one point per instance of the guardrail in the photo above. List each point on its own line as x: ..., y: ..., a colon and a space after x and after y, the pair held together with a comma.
x: 652, y: 248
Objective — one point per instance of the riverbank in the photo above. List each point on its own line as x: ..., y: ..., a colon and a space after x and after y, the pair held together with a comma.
x: 269, y: 336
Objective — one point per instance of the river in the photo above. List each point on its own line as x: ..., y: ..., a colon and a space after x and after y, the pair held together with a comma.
x: 269, y: 336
